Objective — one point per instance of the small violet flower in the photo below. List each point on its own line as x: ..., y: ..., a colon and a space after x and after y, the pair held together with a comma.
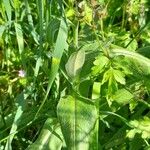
x: 21, y: 73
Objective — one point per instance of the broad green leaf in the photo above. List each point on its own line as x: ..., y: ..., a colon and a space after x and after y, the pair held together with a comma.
x: 119, y: 76
x: 107, y: 75
x: 90, y: 46
x: 56, y: 142
x: 88, y: 64
x: 145, y: 51
x: 100, y: 62
x: 50, y: 137
x: 122, y: 96
x: 132, y: 55
x: 112, y: 84
x: 116, y: 139
x: 75, y: 63
x: 141, y: 126
x: 84, y: 87
x: 77, y: 120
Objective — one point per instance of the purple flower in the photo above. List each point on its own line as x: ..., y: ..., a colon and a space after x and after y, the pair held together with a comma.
x: 21, y: 73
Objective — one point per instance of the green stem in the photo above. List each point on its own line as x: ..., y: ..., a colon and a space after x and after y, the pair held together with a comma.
x: 123, y: 16
x: 102, y: 28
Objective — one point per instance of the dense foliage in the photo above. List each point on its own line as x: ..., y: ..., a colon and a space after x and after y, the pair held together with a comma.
x: 74, y: 74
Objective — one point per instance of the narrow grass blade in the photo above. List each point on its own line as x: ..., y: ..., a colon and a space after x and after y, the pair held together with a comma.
x: 8, y: 9
x: 37, y: 67
x: 60, y: 45
x: 39, y: 59
x: 16, y: 121
x: 31, y: 23
x: 16, y: 7
x: 2, y: 29
x: 96, y: 95
x: 40, y: 8
x: 19, y: 36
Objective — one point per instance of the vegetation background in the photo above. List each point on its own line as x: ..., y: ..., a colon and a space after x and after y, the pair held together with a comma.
x: 74, y: 74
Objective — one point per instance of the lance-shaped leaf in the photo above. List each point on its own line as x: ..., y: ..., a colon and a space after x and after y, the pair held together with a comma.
x: 77, y: 119
x: 133, y: 56
x: 19, y: 36
x: 50, y: 137
x: 75, y: 63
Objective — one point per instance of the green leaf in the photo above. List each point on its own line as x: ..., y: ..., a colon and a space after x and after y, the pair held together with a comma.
x: 119, y: 76
x: 60, y: 45
x: 122, y: 96
x: 141, y: 126
x: 137, y: 143
x: 96, y: 90
x: 112, y: 86
x: 30, y: 22
x: 8, y: 9
x: 2, y: 29
x: 100, y: 62
x: 84, y: 87
x: 16, y: 4
x: 145, y: 51
x: 107, y: 75
x: 117, y: 138
x: 75, y: 63
x: 52, y: 31
x: 145, y: 62
x: 15, y: 124
x: 77, y: 119
x: 50, y: 137
x: 19, y: 36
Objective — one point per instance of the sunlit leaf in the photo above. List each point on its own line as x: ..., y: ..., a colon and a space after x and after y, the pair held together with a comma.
x: 107, y: 75
x: 119, y: 76
x: 73, y: 115
x: 8, y: 9
x: 141, y: 126
x: 122, y: 96
x: 75, y: 63
x: 100, y: 62
x: 19, y: 35
x: 132, y: 55
x: 20, y: 109
x: 50, y: 137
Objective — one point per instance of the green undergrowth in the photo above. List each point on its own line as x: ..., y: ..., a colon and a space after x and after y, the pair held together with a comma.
x: 75, y: 75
